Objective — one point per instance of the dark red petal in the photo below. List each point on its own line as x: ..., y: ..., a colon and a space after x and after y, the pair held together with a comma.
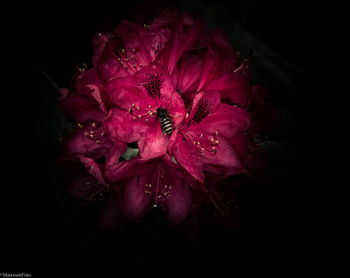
x: 80, y: 109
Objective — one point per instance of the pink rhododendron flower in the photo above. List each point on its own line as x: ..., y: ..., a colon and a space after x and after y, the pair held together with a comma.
x: 148, y: 183
x: 217, y: 66
x: 89, y: 183
x: 86, y: 108
x: 184, y: 96
x: 203, y: 142
x: 137, y: 99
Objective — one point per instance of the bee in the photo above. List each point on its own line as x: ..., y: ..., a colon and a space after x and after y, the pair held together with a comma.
x: 166, y: 122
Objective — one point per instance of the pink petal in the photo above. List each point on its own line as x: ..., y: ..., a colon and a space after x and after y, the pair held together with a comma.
x: 122, y: 127
x: 99, y: 43
x: 226, y: 161
x: 211, y: 98
x: 93, y: 168
x: 79, y: 142
x: 232, y: 87
x: 178, y: 203
x: 117, y: 149
x: 218, y: 60
x: 187, y: 156
x: 187, y: 74
x: 108, y: 66
x: 153, y: 142
x: 80, y: 109
x: 144, y: 44
x: 157, y: 181
x: 84, y: 187
x: 125, y: 92
x: 184, y: 39
x: 135, y: 202
x: 88, y: 84
x: 227, y: 121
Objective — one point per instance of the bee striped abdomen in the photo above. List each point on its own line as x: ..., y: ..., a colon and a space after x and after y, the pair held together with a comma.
x: 166, y: 125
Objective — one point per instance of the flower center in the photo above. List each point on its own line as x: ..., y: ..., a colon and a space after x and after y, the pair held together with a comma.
x: 204, y: 107
x: 153, y: 84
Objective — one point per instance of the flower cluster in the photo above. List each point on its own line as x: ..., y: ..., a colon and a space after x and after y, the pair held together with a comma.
x: 166, y: 111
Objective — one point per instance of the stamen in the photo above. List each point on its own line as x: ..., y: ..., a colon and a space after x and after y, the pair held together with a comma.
x: 140, y: 113
x: 204, y: 144
x: 97, y: 134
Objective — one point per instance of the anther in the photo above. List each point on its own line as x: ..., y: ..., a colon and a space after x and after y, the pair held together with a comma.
x: 79, y: 125
x: 134, y: 118
x: 93, y: 124
x: 146, y: 120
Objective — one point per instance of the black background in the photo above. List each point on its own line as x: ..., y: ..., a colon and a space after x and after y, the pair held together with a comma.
x: 299, y: 55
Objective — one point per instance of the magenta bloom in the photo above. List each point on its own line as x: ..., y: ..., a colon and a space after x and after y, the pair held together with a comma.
x: 131, y: 46
x: 153, y: 183
x: 184, y: 96
x: 203, y: 142
x: 89, y: 183
x: 86, y: 108
x: 137, y: 99
x: 215, y: 66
